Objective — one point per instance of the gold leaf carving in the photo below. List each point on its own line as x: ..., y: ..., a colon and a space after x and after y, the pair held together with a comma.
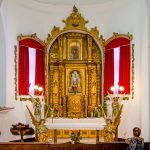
x: 75, y: 21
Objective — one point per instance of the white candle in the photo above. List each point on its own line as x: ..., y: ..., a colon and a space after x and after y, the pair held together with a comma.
x: 42, y: 107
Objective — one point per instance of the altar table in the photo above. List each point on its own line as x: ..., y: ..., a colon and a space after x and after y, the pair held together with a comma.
x: 75, y: 124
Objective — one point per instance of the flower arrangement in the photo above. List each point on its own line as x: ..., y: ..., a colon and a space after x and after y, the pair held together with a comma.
x: 91, y: 110
x: 75, y: 137
x: 59, y: 109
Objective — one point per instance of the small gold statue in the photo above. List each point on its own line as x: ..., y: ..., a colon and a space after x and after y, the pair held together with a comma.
x: 111, y: 125
x: 42, y: 131
x: 40, y: 127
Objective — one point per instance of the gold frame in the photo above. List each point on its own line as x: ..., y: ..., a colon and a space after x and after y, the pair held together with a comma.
x: 19, y: 38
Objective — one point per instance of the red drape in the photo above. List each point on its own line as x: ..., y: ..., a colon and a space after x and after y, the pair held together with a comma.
x: 31, y: 43
x: 124, y: 64
x: 23, y: 71
x: 108, y: 71
x: 40, y: 69
x: 118, y: 42
x: 124, y: 68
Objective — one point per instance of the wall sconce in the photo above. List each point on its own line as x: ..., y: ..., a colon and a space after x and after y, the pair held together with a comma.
x: 37, y: 89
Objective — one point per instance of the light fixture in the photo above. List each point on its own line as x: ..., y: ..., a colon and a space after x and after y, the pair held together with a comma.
x: 40, y: 89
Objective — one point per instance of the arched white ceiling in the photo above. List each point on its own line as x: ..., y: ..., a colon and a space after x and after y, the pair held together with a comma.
x: 73, y: 2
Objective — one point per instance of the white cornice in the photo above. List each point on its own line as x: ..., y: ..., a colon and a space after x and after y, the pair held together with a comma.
x: 72, y: 2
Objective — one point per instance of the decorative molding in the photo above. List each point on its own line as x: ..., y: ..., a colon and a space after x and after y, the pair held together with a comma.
x: 132, y: 69
x: 117, y: 35
x: 15, y: 78
x: 74, y: 23
x: 30, y: 36
x: 129, y: 37
x: 19, y: 38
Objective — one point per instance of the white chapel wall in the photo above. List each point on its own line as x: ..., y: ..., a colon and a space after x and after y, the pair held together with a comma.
x: 148, y: 11
x: 124, y: 16
x: 2, y: 64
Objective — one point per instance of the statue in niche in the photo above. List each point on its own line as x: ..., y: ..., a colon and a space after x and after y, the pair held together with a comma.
x: 55, y: 89
x: 93, y: 91
x: 75, y: 82
x: 75, y: 52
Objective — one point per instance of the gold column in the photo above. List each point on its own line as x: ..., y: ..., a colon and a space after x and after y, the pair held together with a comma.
x: 86, y: 104
x: 98, y: 84
x: 60, y: 84
x: 60, y: 41
x: 89, y: 86
x: 64, y: 106
x: 64, y: 48
x: 89, y: 48
x: 51, y: 85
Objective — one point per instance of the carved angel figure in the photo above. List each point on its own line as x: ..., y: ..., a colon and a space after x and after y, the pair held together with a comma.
x: 40, y: 128
x: 111, y: 125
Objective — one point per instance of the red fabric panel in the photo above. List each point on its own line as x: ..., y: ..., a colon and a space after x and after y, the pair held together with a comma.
x: 23, y: 71
x: 118, y: 42
x: 40, y: 69
x: 124, y: 68
x: 109, y: 71
x: 31, y: 43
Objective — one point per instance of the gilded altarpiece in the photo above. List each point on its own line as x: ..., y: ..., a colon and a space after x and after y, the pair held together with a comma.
x: 74, y: 75
x: 75, y: 60
x: 74, y: 71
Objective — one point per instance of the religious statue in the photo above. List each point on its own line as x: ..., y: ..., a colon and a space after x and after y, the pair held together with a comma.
x: 74, y: 53
x: 75, y: 85
x: 42, y: 131
x: 111, y: 125
x: 109, y: 130
x: 40, y: 127
x: 37, y: 109
x: 42, y: 101
x: 109, y: 102
x: 115, y: 106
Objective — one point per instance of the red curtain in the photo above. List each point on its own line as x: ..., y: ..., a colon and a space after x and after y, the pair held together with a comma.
x: 40, y: 69
x: 31, y: 43
x: 23, y: 71
x: 124, y: 65
x: 108, y: 71
x: 118, y: 42
x: 124, y: 68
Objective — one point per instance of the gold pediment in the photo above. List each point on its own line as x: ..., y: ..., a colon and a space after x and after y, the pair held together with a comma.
x: 75, y: 21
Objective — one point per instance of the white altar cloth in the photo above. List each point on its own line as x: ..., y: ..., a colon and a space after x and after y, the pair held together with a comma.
x: 76, y: 124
